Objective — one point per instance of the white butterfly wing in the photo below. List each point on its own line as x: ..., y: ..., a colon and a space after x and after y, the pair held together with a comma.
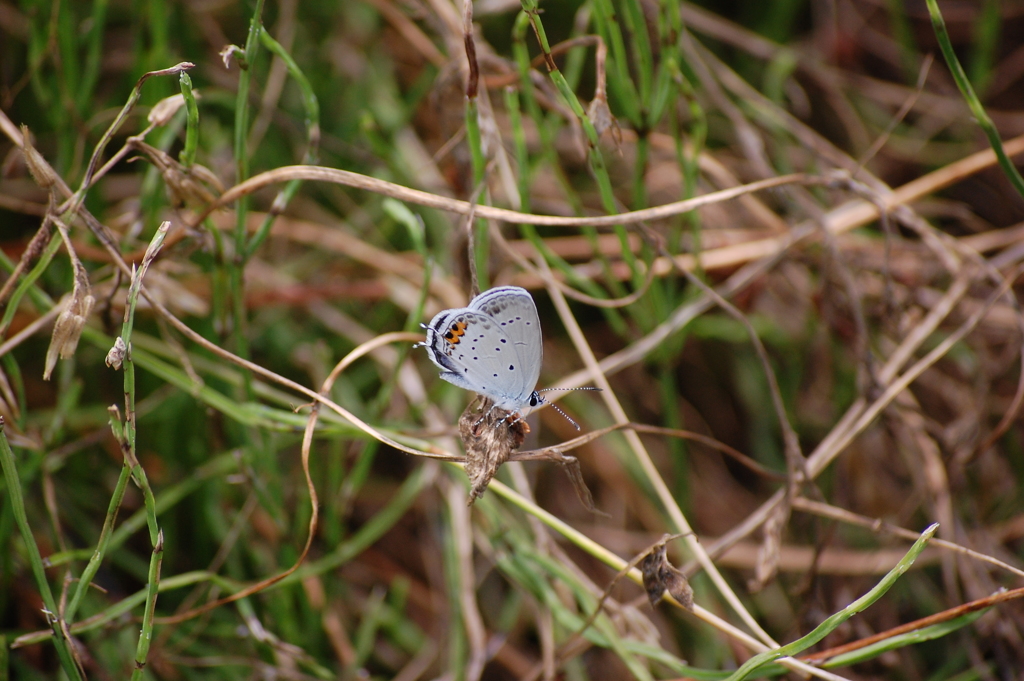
x: 474, y: 353
x: 513, y: 310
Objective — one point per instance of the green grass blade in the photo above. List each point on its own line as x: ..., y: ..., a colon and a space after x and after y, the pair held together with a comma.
x: 977, y: 109
x: 17, y: 502
x: 830, y: 624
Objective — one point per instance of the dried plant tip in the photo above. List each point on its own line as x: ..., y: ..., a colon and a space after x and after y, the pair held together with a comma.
x: 165, y: 109
x: 600, y: 115
x: 232, y: 52
x: 660, y: 577
x: 41, y: 171
x: 489, y: 436
x: 115, y: 358
x: 571, y: 466
x: 68, y: 329
x: 768, y: 553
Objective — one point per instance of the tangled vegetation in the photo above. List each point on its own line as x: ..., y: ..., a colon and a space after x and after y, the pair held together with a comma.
x: 783, y: 239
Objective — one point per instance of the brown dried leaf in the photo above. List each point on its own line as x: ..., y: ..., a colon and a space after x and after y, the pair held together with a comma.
x: 571, y: 466
x: 660, y: 577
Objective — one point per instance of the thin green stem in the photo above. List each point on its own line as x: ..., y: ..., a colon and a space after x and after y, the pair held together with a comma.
x: 397, y: 506
x: 481, y: 238
x: 312, y: 156
x: 236, y: 266
x: 27, y: 282
x: 636, y: 24
x: 220, y: 466
x: 125, y: 434
x: 146, y: 637
x: 594, y: 156
x: 474, y: 139
x: 962, y: 82
x: 515, y: 119
x: 124, y: 606
x: 986, y: 43
x: 94, y: 51
x: 14, y: 494
x: 101, y: 546
x: 126, y: 331
x: 547, y: 128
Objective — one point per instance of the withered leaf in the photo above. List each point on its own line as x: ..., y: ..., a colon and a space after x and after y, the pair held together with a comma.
x: 660, y: 577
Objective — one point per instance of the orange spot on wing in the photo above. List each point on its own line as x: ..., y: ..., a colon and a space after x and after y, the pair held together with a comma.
x: 455, y: 333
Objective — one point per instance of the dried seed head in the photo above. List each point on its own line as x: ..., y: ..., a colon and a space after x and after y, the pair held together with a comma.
x: 68, y: 329
x: 489, y: 436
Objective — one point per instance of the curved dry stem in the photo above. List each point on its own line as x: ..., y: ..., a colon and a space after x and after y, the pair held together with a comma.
x: 395, y: 191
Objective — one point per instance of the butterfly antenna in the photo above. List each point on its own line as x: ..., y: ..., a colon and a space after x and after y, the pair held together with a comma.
x: 586, y: 387
x: 567, y: 417
x: 556, y: 407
